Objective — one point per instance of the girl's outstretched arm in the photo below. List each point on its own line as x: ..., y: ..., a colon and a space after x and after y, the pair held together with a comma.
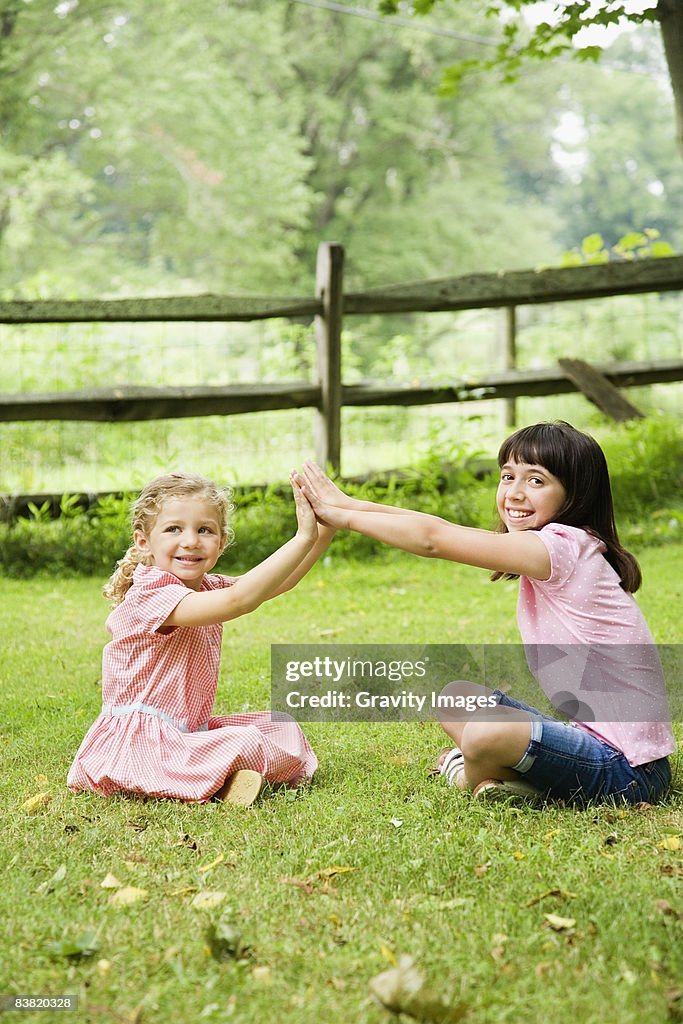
x: 522, y: 553
x: 257, y: 585
x: 317, y: 481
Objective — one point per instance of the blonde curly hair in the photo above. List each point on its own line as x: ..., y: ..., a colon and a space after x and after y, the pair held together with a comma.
x: 146, y: 508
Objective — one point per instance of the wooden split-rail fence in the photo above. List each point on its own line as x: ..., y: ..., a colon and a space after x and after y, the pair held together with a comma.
x: 601, y: 382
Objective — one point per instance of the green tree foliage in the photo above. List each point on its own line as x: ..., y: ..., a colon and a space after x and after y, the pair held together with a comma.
x: 558, y: 32
x: 167, y: 146
x: 213, y: 147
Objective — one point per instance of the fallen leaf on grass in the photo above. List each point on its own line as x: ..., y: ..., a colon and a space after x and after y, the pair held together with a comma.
x: 84, y: 944
x: 36, y: 803
x: 312, y: 885
x: 225, y: 939
x: 670, y: 843
x: 672, y: 870
x: 561, y: 893
x: 46, y: 887
x: 666, y: 908
x: 674, y: 1003
x: 213, y: 864
x: 306, y: 887
x: 396, y: 822
x: 560, y: 924
x: 481, y: 869
x: 110, y: 882
x: 401, y: 990
x: 263, y: 975
x: 127, y: 896
x: 207, y: 900
x: 135, y: 858
x: 336, y: 870
x: 338, y: 984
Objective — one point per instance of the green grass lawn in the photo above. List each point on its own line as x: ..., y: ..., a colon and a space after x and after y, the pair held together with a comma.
x: 463, y: 888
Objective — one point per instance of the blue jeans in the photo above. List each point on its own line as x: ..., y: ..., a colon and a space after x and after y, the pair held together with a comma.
x: 567, y: 763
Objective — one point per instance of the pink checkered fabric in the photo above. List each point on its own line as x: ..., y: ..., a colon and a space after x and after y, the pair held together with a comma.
x: 156, y: 734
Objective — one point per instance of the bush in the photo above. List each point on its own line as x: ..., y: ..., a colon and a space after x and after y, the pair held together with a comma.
x: 646, y: 467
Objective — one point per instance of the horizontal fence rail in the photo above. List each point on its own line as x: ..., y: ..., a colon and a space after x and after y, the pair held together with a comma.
x: 126, y: 405
x: 471, y: 291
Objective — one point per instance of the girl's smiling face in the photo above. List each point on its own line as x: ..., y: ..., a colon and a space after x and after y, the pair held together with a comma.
x: 528, y: 496
x: 186, y: 539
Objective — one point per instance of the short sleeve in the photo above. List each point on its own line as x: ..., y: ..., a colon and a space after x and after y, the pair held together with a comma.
x: 152, y: 598
x: 564, y: 549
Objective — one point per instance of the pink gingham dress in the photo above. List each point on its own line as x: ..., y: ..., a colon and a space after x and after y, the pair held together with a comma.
x: 156, y: 734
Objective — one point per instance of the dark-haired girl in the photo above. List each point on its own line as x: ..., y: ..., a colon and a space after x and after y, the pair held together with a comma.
x: 586, y: 640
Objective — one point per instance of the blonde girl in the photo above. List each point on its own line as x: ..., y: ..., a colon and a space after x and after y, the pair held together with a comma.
x: 156, y: 734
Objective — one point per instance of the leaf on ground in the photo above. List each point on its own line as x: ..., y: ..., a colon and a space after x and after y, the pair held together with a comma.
x: 225, y: 939
x: 561, y: 893
x: 519, y: 855
x: 395, y: 987
x: 672, y: 870
x: 84, y: 944
x: 135, y: 858
x: 306, y: 887
x: 42, y: 780
x: 206, y: 900
x: 110, y: 882
x: 396, y: 822
x: 313, y: 884
x: 336, y: 870
x: 670, y: 843
x: 187, y: 840
x: 263, y: 975
x: 127, y: 896
x: 48, y: 886
x: 560, y: 924
x: 213, y: 864
x: 481, y: 869
x: 36, y: 803
x: 401, y: 990
x: 666, y: 908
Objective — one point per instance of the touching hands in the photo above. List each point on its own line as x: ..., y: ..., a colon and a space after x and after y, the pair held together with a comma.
x: 307, y: 525
x: 318, y: 490
x: 318, y: 482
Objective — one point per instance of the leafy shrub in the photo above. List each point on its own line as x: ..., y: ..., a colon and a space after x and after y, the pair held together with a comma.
x: 646, y: 467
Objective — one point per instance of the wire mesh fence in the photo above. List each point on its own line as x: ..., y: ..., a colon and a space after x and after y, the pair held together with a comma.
x: 435, y: 348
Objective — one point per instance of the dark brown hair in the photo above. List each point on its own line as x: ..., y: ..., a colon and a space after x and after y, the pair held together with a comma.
x: 579, y: 463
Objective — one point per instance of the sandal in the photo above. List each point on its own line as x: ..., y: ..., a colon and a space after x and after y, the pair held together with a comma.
x: 494, y: 789
x: 450, y: 763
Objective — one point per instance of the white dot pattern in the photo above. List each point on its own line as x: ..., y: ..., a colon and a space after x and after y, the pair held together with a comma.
x: 583, y: 603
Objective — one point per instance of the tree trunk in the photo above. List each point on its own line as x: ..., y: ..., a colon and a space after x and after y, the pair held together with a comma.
x: 670, y: 15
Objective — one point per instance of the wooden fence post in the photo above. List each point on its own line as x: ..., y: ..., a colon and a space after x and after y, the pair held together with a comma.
x: 509, y: 347
x: 328, y: 327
